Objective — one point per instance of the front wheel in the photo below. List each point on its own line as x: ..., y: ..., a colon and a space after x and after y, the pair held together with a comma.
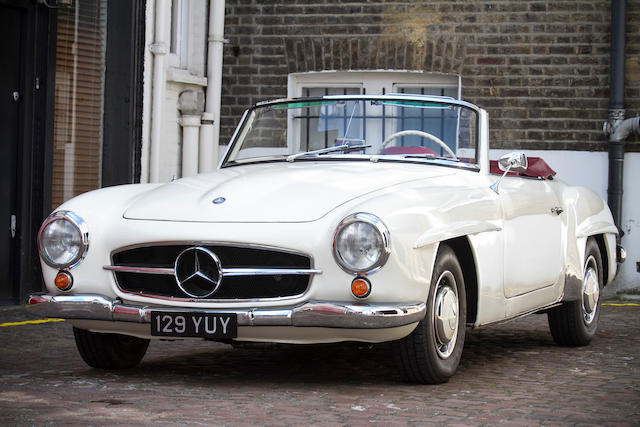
x: 575, y: 323
x: 431, y: 353
x: 110, y: 351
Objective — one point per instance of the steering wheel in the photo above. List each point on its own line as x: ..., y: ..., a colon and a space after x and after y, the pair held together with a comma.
x: 418, y: 133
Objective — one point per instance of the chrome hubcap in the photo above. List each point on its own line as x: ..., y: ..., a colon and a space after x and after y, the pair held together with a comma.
x: 445, y: 314
x: 590, y: 290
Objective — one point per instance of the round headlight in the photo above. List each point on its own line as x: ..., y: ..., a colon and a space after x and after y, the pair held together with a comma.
x: 63, y: 239
x: 361, y: 243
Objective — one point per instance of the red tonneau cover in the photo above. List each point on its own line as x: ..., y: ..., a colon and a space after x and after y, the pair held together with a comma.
x: 538, y: 168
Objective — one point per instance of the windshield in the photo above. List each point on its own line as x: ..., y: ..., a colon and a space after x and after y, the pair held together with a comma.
x: 372, y: 128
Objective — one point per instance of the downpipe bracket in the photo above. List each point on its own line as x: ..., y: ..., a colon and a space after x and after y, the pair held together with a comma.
x: 617, y: 129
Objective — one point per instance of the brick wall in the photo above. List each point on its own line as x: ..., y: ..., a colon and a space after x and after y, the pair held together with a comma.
x: 540, y: 68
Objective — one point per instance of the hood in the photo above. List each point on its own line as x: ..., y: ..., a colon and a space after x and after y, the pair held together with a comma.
x: 272, y: 192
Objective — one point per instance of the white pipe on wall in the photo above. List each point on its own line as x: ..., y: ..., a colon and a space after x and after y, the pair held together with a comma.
x: 149, y: 32
x: 190, y: 125
x: 159, y: 48
x: 210, y: 130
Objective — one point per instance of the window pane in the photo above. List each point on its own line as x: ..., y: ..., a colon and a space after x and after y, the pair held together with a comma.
x: 437, y: 121
x: 80, y: 53
x: 438, y: 91
x: 180, y: 31
x: 320, y: 128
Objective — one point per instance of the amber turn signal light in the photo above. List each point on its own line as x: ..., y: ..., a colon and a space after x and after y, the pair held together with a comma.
x: 63, y: 281
x: 360, y: 287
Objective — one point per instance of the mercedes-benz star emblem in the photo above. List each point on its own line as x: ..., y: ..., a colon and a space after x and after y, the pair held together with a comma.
x: 198, y: 272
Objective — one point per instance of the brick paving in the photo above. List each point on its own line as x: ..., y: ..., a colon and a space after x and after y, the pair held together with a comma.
x: 511, y: 374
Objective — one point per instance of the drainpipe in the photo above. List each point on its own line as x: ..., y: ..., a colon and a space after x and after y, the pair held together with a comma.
x: 191, y: 105
x: 159, y: 49
x: 210, y: 129
x: 617, y: 129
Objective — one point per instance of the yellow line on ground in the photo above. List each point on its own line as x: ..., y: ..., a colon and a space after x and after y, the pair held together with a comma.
x: 30, y: 322
x: 623, y: 304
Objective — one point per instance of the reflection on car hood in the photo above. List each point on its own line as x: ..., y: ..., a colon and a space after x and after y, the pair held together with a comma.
x: 272, y: 192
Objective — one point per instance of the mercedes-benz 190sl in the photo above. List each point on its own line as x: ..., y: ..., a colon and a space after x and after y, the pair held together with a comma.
x: 340, y: 218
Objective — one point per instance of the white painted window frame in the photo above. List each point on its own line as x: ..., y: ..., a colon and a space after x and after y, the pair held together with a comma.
x: 371, y: 82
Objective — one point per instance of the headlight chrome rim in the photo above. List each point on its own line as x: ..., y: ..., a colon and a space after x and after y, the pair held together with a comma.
x: 379, y: 227
x: 80, y: 225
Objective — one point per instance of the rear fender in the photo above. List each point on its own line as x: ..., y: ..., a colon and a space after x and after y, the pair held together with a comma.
x: 587, y: 216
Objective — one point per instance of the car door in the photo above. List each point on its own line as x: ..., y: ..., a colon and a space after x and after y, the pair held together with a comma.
x: 533, y: 256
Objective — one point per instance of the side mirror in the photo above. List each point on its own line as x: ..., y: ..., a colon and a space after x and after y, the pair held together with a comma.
x: 512, y: 162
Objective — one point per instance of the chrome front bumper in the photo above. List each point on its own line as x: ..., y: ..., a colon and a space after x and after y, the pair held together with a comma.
x: 326, y: 314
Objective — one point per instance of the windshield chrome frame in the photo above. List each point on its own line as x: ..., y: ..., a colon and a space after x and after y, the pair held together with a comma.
x: 390, y: 97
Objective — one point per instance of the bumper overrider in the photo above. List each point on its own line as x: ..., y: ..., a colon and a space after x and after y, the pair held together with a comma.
x: 327, y: 314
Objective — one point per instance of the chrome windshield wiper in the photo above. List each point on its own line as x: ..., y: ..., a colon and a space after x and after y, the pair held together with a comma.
x: 344, y: 148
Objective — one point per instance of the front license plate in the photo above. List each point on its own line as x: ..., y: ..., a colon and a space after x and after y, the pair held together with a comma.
x: 177, y: 324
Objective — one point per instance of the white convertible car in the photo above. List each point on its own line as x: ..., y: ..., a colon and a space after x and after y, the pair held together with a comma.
x: 364, y: 218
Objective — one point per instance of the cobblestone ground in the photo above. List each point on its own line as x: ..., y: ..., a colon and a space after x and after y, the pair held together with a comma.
x: 510, y: 374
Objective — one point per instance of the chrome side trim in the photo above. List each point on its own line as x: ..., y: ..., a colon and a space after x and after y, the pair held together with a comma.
x: 327, y: 314
x: 143, y: 270
x: 267, y: 271
x: 229, y: 272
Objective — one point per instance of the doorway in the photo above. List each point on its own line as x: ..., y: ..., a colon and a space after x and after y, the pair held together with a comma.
x: 11, y: 21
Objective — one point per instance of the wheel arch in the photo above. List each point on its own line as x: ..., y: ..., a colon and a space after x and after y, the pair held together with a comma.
x: 462, y: 248
x: 605, y: 256
x: 588, y: 216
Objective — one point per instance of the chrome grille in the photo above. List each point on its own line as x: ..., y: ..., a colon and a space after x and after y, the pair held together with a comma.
x: 247, y: 272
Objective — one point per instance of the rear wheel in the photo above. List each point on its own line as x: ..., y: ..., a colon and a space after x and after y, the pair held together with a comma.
x: 431, y: 353
x: 110, y: 351
x: 575, y: 323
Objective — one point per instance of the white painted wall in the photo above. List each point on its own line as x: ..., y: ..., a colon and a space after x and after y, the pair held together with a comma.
x: 171, y: 142
x: 591, y: 169
x: 629, y: 278
x: 180, y: 75
x: 147, y: 90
